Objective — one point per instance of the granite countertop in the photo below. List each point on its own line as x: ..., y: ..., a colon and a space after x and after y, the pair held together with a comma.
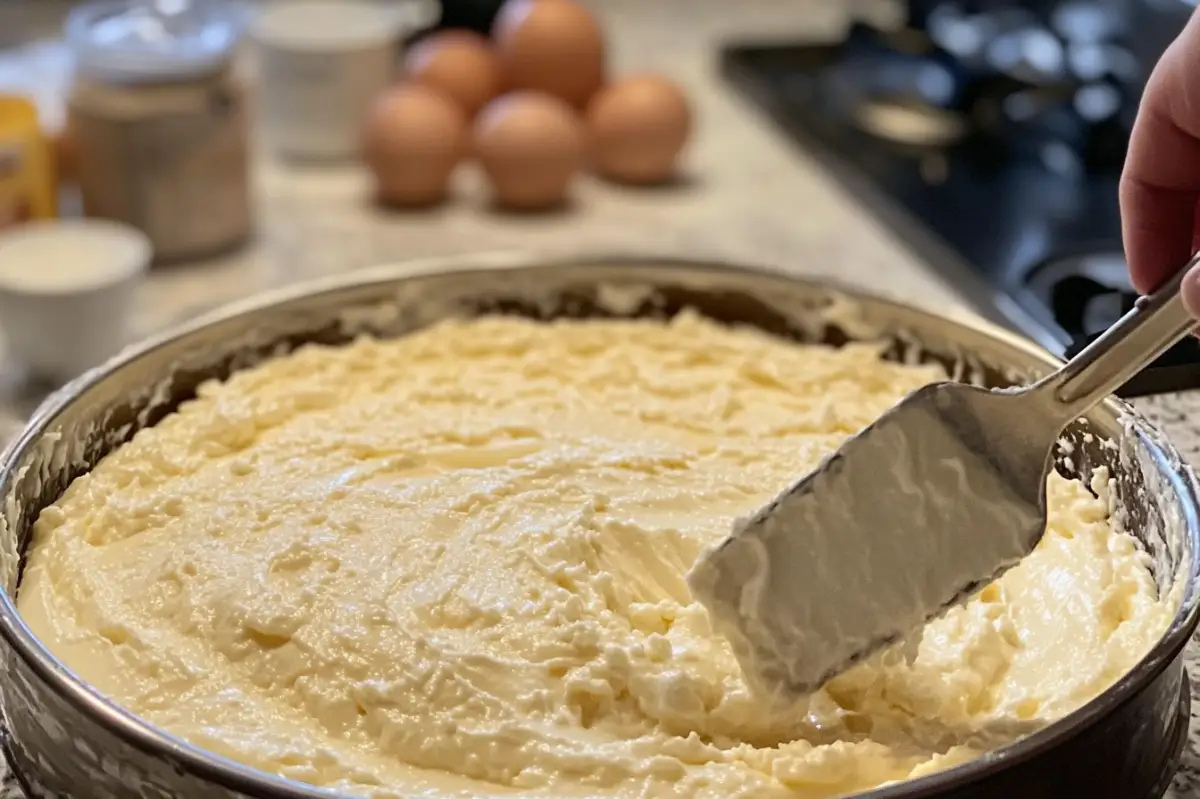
x: 748, y: 196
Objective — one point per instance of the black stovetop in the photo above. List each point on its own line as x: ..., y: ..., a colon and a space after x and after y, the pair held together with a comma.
x: 998, y: 166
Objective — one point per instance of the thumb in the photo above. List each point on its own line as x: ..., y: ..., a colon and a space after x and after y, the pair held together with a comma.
x: 1189, y: 290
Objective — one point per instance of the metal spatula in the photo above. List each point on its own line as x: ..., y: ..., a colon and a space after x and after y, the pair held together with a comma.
x: 940, y: 496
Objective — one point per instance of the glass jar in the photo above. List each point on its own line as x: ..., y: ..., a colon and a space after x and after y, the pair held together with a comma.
x: 157, y: 122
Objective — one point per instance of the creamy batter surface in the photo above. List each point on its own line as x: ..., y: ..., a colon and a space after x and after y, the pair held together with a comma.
x: 453, y: 565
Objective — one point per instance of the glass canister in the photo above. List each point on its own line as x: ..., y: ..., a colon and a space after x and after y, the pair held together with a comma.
x: 158, y: 124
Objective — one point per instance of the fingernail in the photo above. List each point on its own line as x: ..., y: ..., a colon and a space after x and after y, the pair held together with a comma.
x: 1190, y: 291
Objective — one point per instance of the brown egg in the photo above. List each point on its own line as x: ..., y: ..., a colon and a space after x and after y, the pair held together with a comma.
x: 460, y: 64
x: 553, y: 47
x: 637, y: 128
x: 530, y: 146
x: 413, y: 139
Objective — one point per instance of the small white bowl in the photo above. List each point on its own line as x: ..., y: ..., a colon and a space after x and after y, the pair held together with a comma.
x: 67, y: 292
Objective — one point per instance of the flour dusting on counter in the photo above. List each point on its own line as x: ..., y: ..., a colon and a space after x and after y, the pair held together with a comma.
x: 453, y: 564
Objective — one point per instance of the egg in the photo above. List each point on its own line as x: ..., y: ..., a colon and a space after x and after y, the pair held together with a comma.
x: 551, y: 46
x: 413, y: 139
x: 530, y: 146
x: 458, y: 63
x: 637, y: 128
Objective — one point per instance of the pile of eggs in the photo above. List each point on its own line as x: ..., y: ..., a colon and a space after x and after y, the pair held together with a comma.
x: 531, y: 105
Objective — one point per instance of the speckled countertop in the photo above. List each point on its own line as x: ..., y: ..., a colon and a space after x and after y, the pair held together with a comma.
x: 748, y: 196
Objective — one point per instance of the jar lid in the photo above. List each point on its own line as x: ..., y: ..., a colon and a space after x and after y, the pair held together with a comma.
x: 132, y: 41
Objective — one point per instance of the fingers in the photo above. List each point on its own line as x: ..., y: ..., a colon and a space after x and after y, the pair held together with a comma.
x: 1157, y: 222
x: 1160, y: 185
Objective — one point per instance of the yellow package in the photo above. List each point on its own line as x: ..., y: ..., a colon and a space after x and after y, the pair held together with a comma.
x: 28, y: 189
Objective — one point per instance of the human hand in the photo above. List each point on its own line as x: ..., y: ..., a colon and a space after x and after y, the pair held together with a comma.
x: 1160, y: 185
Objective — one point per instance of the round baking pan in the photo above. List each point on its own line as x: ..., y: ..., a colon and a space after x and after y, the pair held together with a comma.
x: 65, y: 739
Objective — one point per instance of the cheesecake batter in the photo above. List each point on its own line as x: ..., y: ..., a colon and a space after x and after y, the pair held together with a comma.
x: 453, y: 565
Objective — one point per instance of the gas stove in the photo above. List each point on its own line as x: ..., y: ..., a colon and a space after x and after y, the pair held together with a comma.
x: 990, y: 137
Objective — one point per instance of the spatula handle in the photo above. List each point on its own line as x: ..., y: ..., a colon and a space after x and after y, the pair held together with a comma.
x: 1155, y: 324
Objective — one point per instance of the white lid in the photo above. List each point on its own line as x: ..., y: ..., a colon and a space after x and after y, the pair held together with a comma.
x: 65, y: 256
x: 131, y: 41
x: 340, y: 24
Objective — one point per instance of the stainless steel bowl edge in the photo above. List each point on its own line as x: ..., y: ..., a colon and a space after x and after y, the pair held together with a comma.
x: 219, y: 339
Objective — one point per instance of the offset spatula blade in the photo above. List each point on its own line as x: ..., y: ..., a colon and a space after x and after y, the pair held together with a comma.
x: 940, y: 496
x: 851, y: 559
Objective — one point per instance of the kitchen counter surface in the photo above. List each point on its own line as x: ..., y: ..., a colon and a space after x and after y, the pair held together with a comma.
x: 746, y: 196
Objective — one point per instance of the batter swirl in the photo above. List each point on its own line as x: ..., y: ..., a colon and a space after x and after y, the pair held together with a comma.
x: 452, y: 565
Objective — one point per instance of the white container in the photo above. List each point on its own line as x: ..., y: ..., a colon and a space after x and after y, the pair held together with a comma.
x: 67, y: 292
x: 322, y: 63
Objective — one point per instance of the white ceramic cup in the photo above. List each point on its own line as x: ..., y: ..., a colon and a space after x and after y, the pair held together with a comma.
x: 321, y: 63
x: 68, y: 290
